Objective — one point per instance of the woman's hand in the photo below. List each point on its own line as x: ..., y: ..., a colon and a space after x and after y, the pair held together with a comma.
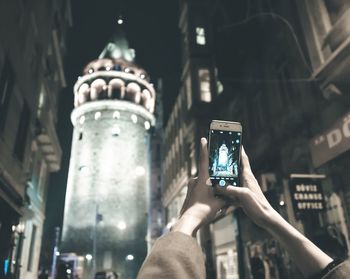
x: 200, y: 205
x: 249, y: 196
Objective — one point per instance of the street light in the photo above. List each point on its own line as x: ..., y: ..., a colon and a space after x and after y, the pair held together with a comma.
x: 88, y: 257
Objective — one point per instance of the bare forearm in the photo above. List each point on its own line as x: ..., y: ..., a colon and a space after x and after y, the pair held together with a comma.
x: 306, y: 255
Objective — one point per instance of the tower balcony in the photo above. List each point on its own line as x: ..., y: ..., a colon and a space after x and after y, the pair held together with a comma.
x: 109, y: 84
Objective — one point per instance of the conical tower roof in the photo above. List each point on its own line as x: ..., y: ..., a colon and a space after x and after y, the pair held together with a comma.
x: 118, y: 46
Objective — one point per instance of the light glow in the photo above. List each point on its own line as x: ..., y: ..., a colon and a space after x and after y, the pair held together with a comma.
x: 147, y: 125
x: 69, y: 271
x: 120, y: 21
x: 97, y: 115
x: 121, y: 225
x: 129, y: 257
x: 88, y: 257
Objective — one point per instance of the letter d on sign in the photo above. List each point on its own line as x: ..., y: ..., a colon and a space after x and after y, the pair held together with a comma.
x: 334, y: 138
x: 346, y: 128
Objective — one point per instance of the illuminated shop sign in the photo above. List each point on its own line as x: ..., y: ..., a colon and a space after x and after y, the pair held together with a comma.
x: 332, y: 142
x: 306, y: 192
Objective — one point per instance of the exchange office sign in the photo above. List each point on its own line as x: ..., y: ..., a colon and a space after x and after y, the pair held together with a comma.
x: 306, y: 192
x: 332, y: 142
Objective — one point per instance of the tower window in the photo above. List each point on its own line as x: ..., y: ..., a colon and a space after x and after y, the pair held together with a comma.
x: 200, y: 36
x: 204, y: 85
x: 134, y: 118
x: 80, y: 135
x: 115, y: 131
x: 82, y: 120
x: 97, y: 115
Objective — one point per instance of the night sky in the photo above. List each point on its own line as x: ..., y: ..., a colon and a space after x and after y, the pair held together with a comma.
x: 151, y: 29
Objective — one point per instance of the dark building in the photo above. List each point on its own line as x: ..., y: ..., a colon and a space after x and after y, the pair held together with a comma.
x: 31, y: 75
x: 281, y: 71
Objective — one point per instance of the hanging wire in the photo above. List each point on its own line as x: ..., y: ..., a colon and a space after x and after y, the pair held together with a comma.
x: 290, y: 28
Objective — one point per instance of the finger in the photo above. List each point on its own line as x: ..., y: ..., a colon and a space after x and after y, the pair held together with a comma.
x: 245, y: 161
x: 234, y: 194
x: 190, y: 187
x: 204, y: 159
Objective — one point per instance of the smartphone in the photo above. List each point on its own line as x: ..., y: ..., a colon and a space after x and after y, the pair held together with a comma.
x: 225, y: 141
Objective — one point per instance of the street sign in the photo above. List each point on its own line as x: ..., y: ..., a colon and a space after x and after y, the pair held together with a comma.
x: 332, y: 142
x: 306, y: 192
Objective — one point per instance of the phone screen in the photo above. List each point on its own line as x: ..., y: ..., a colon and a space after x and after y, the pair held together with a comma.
x: 224, y: 157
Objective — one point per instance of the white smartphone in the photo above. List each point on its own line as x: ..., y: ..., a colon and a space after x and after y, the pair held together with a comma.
x: 225, y: 141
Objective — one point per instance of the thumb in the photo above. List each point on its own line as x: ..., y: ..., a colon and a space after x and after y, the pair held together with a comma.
x: 204, y: 160
x: 233, y: 193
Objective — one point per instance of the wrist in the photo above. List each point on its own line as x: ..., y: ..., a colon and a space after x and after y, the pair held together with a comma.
x: 187, y: 224
x: 273, y: 221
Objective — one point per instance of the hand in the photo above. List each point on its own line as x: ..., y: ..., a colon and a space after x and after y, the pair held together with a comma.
x: 200, y: 205
x: 249, y: 196
x: 259, y: 210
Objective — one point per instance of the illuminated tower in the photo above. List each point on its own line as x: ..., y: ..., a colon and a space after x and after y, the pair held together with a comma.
x: 109, y: 174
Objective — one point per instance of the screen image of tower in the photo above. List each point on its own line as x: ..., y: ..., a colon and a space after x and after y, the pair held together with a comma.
x: 105, y: 218
x: 224, y: 155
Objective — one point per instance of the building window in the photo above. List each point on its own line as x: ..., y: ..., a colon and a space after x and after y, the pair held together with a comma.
x: 21, y: 137
x: 204, y: 85
x: 286, y: 92
x: 31, y: 249
x: 200, y: 36
x: 336, y: 8
x: 329, y: 23
x: 6, y: 87
x: 42, y: 179
x: 36, y: 170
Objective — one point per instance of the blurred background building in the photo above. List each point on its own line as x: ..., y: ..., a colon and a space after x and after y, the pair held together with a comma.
x: 32, y: 49
x: 108, y: 192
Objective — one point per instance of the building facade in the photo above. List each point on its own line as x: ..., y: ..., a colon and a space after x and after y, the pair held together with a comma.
x: 31, y: 76
x: 281, y: 71
x: 189, y: 121
x: 291, y: 100
x: 108, y: 191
